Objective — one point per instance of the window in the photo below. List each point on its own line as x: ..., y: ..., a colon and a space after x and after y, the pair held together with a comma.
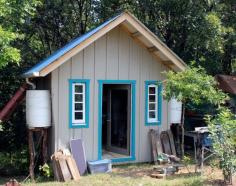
x: 79, y: 103
x: 153, y: 103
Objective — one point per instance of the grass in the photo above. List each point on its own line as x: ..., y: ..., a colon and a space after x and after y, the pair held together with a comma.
x: 111, y: 179
x: 129, y: 175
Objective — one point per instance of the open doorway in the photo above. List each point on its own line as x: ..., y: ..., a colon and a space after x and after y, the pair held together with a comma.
x: 116, y: 121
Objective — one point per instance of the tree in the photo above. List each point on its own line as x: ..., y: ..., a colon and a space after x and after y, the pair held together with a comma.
x: 58, y: 22
x: 192, y: 85
x: 222, y: 129
x: 203, y: 31
x: 13, y: 15
x: 7, y: 36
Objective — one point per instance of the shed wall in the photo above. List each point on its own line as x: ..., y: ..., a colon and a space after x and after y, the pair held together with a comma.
x: 115, y: 56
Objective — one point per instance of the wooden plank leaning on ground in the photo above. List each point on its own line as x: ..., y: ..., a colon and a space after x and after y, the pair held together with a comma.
x: 56, y: 168
x: 165, y: 140
x: 156, y: 144
x: 153, y: 144
x: 172, y: 144
x: 73, y: 168
x: 61, y: 171
x: 64, y: 166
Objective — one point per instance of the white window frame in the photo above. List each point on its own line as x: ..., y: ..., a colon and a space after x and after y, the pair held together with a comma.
x: 78, y: 121
x: 152, y: 120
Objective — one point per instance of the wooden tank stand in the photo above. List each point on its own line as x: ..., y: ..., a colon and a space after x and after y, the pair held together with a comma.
x: 43, y: 141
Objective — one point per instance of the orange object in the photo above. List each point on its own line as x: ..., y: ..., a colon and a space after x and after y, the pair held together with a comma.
x: 12, y: 183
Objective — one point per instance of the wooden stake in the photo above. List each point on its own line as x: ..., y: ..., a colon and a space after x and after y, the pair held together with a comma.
x: 31, y: 153
x: 44, y: 146
x: 182, y: 127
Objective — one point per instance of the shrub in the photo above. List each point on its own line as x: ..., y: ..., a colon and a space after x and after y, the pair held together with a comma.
x: 223, y: 134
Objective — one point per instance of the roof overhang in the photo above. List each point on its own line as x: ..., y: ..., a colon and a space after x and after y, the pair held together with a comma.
x: 131, y: 25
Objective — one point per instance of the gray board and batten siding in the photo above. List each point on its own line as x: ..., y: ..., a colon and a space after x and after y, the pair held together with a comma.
x: 115, y: 56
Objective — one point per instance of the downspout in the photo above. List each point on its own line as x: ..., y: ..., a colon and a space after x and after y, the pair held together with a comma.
x: 12, y: 103
x: 30, y: 83
x: 15, y: 101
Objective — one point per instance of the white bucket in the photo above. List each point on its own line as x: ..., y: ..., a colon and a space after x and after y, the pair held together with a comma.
x: 175, y: 111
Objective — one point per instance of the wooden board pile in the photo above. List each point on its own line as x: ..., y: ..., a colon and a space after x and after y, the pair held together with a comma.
x: 164, y: 153
x: 64, y: 166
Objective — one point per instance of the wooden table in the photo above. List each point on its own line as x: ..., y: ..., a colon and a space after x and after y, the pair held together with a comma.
x: 199, y: 147
x: 195, y: 137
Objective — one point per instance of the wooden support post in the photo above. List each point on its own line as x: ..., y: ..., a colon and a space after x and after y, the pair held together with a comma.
x: 44, y: 146
x: 43, y: 150
x: 31, y: 153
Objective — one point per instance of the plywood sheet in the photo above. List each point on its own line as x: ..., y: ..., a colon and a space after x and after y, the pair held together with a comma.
x: 78, y: 153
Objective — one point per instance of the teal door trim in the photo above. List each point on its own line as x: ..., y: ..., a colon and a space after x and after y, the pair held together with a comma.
x: 133, y: 107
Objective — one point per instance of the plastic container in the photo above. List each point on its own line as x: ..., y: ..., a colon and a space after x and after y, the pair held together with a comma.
x: 175, y: 111
x: 99, y: 166
x: 38, y: 108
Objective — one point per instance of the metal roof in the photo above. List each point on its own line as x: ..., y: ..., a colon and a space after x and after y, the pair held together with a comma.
x: 227, y: 83
x: 127, y: 20
x: 50, y: 59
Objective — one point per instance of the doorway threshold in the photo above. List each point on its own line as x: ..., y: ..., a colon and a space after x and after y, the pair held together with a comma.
x: 111, y: 155
x: 116, y: 157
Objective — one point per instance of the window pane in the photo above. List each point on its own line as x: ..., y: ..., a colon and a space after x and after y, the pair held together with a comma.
x: 152, y: 98
x: 152, y: 106
x: 78, y: 115
x: 78, y: 106
x: 78, y: 88
x: 152, y: 90
x: 78, y: 97
x: 152, y: 115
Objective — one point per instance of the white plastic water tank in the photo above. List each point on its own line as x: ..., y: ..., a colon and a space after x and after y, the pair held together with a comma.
x: 175, y: 111
x: 38, y: 108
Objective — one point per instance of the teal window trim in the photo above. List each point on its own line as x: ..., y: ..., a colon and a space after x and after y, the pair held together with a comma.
x: 133, y: 107
x: 159, y: 102
x: 87, y: 94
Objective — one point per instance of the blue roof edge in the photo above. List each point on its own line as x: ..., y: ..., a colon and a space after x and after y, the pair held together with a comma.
x: 58, y: 53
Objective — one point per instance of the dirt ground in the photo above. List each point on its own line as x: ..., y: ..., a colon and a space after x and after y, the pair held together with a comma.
x: 213, y: 175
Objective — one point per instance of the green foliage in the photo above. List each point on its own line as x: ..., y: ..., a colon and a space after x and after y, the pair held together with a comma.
x: 195, y: 30
x: 193, y: 85
x: 187, y: 160
x: 223, y: 133
x: 8, y: 53
x: 14, y: 163
x: 46, y: 170
x: 11, y: 14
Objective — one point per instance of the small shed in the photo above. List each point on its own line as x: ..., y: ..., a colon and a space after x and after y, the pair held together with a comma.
x: 106, y: 88
x: 227, y: 83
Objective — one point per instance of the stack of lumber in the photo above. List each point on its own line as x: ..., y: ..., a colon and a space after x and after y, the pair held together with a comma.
x: 64, y: 166
x: 164, y: 153
x: 163, y: 147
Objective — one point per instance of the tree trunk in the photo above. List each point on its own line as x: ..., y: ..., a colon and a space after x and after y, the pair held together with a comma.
x: 182, y: 128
